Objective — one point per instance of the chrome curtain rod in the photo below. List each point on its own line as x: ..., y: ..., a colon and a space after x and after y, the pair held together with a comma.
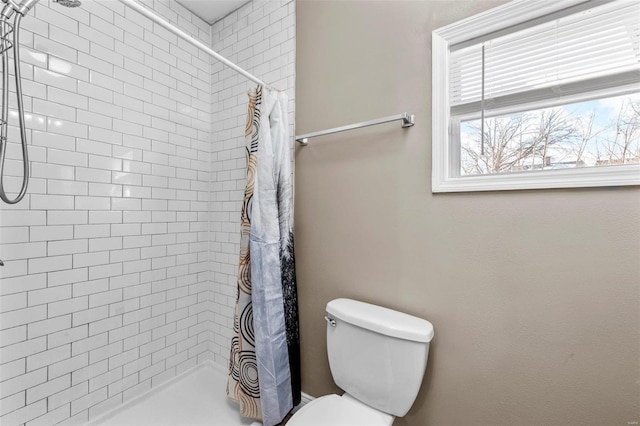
x: 407, y: 121
x: 177, y: 31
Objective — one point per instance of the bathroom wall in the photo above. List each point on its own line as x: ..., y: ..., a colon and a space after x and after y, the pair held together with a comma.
x: 259, y: 37
x: 105, y: 290
x: 534, y: 295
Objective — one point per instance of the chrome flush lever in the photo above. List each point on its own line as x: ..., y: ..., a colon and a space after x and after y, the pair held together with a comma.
x: 331, y: 321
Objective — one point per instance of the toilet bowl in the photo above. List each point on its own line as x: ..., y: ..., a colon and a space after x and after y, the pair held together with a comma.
x: 378, y: 356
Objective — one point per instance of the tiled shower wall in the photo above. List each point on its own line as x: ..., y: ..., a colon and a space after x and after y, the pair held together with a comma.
x: 260, y: 37
x: 105, y: 290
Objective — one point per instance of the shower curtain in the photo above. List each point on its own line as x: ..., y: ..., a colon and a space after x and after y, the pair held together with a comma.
x: 264, y: 364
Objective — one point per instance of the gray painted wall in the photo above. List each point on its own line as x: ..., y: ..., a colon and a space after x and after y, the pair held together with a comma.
x: 534, y: 295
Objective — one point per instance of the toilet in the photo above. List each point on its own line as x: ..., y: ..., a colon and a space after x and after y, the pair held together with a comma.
x: 378, y: 357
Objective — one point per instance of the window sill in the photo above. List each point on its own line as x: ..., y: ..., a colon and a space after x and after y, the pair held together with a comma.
x: 602, y: 176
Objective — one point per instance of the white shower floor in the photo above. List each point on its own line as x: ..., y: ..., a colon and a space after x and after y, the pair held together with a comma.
x: 199, y: 398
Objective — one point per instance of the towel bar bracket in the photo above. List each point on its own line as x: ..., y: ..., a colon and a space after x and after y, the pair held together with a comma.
x: 408, y: 120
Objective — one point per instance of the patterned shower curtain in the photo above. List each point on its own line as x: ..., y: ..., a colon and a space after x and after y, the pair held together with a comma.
x: 264, y: 364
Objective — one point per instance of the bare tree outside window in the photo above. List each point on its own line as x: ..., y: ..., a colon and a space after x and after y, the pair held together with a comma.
x: 600, y: 132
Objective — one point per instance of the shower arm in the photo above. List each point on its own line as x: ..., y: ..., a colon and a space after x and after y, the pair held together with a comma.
x: 22, y: 7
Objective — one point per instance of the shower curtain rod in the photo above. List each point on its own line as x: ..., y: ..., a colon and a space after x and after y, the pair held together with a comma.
x: 177, y: 31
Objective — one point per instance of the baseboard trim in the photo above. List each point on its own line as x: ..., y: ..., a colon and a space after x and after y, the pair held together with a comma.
x: 306, y: 398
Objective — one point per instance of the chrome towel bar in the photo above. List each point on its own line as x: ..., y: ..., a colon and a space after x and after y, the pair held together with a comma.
x: 407, y: 121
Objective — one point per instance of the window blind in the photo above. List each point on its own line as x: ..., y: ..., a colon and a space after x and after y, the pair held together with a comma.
x: 598, y: 46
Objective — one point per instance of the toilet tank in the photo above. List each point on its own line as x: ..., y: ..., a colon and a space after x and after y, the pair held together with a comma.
x: 377, y: 355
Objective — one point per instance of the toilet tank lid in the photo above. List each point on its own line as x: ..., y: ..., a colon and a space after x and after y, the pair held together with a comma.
x: 381, y: 320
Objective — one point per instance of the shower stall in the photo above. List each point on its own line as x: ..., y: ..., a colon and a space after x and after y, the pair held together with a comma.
x: 120, y: 256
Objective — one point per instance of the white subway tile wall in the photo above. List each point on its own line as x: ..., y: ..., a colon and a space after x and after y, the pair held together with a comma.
x: 121, y: 260
x: 259, y: 37
x: 106, y: 288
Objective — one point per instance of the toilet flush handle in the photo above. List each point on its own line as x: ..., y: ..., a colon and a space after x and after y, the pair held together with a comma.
x: 331, y: 321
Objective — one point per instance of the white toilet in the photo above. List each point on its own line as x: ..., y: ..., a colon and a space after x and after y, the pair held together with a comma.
x: 378, y: 357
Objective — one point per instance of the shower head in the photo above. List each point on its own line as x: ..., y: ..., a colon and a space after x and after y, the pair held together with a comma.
x: 69, y: 3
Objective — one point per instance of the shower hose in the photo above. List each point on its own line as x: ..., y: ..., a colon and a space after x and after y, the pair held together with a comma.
x: 5, y: 45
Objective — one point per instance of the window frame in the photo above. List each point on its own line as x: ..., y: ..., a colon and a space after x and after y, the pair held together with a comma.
x: 446, y: 150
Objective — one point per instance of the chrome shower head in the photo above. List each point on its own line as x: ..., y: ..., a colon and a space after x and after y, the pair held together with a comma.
x: 69, y: 3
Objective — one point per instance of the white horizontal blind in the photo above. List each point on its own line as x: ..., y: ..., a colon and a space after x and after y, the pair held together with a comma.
x: 599, y: 42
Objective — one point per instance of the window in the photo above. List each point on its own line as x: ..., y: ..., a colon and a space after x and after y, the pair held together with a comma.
x: 538, y: 94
